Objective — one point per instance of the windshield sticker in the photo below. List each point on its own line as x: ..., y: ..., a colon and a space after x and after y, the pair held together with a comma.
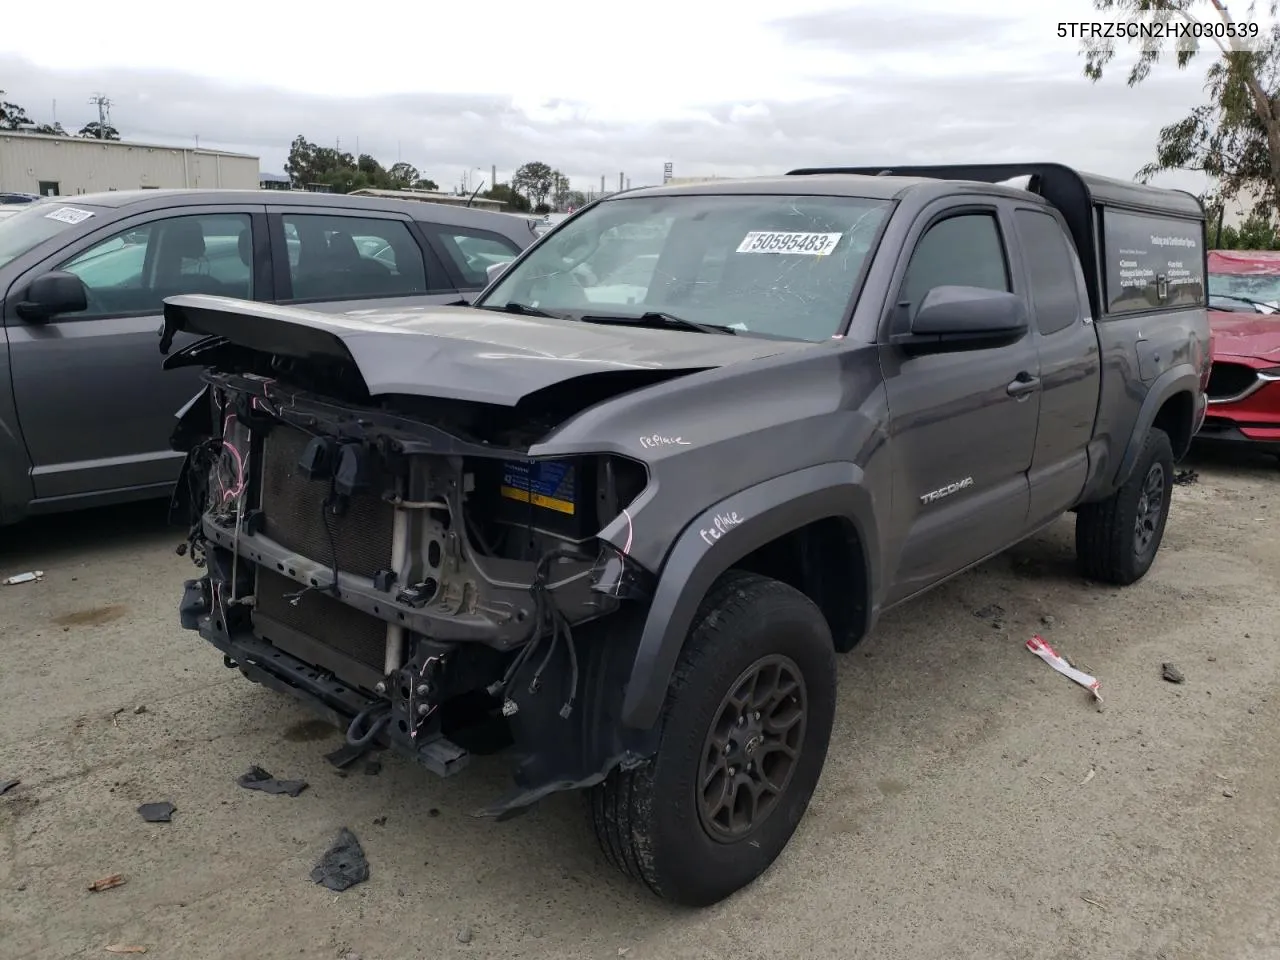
x: 68, y: 215
x: 770, y: 241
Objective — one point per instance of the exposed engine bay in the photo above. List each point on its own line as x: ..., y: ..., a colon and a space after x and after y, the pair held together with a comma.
x: 405, y: 568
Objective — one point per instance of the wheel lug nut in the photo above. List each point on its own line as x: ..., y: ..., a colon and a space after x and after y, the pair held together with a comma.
x: 741, y: 721
x: 733, y: 771
x: 756, y: 716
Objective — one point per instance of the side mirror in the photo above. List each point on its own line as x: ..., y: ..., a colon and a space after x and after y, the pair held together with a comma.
x: 53, y: 294
x: 965, y: 318
x: 494, y: 270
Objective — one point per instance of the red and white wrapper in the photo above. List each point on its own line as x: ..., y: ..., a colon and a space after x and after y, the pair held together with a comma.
x: 1040, y: 647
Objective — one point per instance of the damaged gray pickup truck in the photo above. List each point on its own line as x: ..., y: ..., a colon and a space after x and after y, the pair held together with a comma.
x: 619, y: 516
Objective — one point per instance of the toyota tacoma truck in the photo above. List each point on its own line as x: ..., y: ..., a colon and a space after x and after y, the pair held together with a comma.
x: 619, y: 516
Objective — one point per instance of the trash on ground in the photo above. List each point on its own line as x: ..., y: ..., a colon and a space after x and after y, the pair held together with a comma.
x: 125, y: 948
x: 1228, y: 793
x: 28, y: 577
x: 343, y: 864
x: 1183, y: 477
x: 157, y: 812
x: 107, y: 882
x: 259, y: 779
x: 7, y: 785
x: 1041, y: 649
x: 1171, y: 673
x: 140, y: 709
x: 1089, y: 776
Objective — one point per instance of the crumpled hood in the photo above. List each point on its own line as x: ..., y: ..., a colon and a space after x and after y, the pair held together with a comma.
x: 1248, y: 335
x: 461, y: 352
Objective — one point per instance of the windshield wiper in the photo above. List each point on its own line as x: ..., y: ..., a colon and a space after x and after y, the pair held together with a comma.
x: 523, y: 309
x: 657, y: 318
x: 1251, y: 302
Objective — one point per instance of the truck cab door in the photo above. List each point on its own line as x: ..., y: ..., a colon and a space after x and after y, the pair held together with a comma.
x: 1070, y: 364
x: 962, y: 422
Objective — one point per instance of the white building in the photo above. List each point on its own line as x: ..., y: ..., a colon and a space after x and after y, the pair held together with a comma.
x: 65, y: 166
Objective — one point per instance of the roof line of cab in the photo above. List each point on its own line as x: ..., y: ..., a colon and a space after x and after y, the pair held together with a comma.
x: 888, y: 182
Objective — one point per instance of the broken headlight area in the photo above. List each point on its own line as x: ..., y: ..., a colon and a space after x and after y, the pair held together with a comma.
x: 425, y: 586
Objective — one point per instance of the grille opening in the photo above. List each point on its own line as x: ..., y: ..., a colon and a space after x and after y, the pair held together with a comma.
x: 1229, y: 380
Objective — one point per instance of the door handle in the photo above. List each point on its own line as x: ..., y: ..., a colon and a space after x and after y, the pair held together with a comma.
x: 1023, y: 384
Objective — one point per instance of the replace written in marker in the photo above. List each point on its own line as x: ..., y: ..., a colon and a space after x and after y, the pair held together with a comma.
x: 769, y: 241
x: 722, y: 524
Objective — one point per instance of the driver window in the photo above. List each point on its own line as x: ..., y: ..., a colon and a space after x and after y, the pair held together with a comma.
x: 964, y: 250
x: 133, y: 271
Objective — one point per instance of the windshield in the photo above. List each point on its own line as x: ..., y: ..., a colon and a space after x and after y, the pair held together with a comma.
x: 781, y: 266
x: 33, y: 225
x: 1243, y: 289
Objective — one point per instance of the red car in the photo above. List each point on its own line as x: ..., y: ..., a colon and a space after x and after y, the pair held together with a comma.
x: 1244, y: 312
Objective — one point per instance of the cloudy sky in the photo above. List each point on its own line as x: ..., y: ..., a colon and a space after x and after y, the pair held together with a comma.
x: 728, y: 87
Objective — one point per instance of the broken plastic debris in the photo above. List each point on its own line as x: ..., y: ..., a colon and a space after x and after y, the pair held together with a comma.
x: 259, y: 779
x: 7, y: 785
x: 157, y: 812
x: 343, y: 864
x: 27, y: 577
x: 107, y: 882
x: 1040, y: 647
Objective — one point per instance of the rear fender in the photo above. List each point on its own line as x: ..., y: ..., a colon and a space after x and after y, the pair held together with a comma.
x: 1183, y: 378
x: 717, y: 539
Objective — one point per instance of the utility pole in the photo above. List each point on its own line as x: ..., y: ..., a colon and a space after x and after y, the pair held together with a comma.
x: 103, y: 104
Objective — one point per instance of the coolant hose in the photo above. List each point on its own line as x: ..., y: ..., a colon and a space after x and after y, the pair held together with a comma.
x: 374, y: 728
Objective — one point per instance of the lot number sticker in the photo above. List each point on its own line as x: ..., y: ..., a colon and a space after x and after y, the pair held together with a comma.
x: 769, y: 241
x: 68, y: 215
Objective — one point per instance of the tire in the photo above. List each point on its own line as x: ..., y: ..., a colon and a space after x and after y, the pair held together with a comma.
x: 1110, y: 547
x: 650, y: 822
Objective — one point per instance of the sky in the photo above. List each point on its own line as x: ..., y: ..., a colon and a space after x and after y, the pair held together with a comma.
x: 739, y: 88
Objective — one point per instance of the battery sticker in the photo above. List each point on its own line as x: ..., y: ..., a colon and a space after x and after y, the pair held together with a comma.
x: 69, y: 215
x: 544, y: 484
x: 772, y: 241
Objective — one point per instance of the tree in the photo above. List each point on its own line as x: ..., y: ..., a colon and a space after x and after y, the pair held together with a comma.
x: 504, y: 194
x: 12, y: 116
x: 1235, y: 137
x: 52, y: 129
x: 98, y: 131
x: 535, y: 180
x: 309, y: 163
x: 575, y: 199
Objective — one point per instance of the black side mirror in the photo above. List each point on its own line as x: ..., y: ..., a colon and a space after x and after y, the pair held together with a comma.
x: 965, y: 318
x: 53, y: 294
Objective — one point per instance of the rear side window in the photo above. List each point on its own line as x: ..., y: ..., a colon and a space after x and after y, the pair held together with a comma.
x: 335, y: 257
x: 964, y: 250
x: 473, y: 252
x: 1152, y: 262
x: 1051, y: 265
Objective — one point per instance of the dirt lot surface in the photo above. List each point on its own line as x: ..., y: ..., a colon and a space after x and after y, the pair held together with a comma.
x: 975, y: 804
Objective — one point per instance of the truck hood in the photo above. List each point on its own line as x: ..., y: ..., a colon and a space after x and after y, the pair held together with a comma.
x: 1248, y: 335
x: 462, y: 353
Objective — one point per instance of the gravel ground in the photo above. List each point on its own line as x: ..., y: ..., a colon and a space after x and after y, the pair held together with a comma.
x: 974, y: 804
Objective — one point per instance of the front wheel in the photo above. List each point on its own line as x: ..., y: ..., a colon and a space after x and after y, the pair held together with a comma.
x: 1117, y: 538
x: 744, y: 736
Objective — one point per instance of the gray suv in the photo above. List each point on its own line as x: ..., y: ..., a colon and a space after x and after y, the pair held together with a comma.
x: 85, y: 406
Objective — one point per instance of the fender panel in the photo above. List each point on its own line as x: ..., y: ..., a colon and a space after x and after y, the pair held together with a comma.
x: 719, y: 537
x: 1178, y: 379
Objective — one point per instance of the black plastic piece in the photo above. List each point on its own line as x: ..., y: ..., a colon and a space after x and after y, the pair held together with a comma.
x: 384, y: 580
x: 253, y: 522
x: 420, y: 594
x: 353, y: 474
x: 195, y: 603
x: 319, y: 460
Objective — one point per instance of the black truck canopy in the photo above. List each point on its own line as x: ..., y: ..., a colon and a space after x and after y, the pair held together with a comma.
x: 1082, y: 198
